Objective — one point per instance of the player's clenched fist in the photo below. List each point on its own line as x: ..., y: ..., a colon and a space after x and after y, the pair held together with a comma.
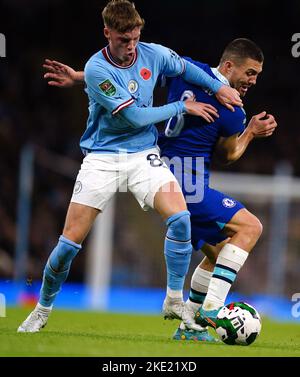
x: 262, y: 125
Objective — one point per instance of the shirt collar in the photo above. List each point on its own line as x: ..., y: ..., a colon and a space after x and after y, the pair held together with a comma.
x: 108, y: 56
x: 219, y: 76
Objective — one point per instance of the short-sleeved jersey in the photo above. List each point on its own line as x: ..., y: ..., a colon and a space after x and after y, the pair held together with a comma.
x: 111, y: 88
x: 191, y: 136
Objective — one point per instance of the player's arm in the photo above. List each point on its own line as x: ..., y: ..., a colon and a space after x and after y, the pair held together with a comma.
x: 230, y: 149
x: 140, y: 117
x: 226, y: 95
x: 115, y: 99
x: 173, y: 65
x: 61, y: 75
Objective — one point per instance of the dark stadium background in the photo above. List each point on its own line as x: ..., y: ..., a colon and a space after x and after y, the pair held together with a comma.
x: 54, y: 119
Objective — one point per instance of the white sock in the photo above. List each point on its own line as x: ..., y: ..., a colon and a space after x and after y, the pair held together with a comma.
x: 42, y: 308
x: 200, y: 280
x: 199, y: 286
x: 229, y: 262
x: 174, y: 294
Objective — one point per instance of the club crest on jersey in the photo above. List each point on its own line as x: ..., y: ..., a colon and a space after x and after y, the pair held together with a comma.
x: 228, y: 203
x: 107, y: 88
x: 145, y: 73
x: 133, y: 86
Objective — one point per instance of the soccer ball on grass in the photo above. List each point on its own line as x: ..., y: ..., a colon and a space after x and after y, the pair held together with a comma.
x: 238, y: 323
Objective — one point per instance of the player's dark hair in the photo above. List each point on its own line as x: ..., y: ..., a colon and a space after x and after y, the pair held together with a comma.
x: 121, y: 15
x: 240, y: 49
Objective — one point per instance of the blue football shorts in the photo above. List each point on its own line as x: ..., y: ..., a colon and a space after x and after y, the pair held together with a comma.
x: 209, y: 217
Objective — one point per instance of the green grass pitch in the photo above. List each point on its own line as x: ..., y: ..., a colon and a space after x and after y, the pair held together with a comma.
x: 71, y: 333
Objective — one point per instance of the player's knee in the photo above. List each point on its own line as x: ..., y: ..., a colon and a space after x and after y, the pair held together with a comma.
x: 257, y: 228
x: 254, y: 228
x: 179, y: 226
x: 211, y: 255
x: 209, y: 262
x: 72, y: 234
x: 212, y: 259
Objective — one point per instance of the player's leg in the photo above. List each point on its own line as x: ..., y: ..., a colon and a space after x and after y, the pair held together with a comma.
x: 202, y: 275
x: 96, y: 183
x: 170, y: 204
x: 207, y: 221
x: 78, y: 223
x: 199, y: 286
x: 155, y: 186
x: 244, y: 229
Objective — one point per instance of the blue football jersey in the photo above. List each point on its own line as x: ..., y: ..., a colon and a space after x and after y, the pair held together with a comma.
x: 111, y: 88
x: 191, y: 136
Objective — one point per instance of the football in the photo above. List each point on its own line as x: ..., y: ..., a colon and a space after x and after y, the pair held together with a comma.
x: 238, y: 323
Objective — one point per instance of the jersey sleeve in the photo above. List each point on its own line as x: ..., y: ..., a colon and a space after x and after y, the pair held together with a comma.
x: 171, y: 64
x: 102, y: 87
x: 232, y: 122
x: 143, y: 116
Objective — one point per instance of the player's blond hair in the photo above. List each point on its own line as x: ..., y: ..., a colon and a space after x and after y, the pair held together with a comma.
x: 121, y: 15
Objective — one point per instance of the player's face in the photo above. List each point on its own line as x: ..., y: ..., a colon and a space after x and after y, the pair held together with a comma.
x: 243, y: 76
x: 122, y: 45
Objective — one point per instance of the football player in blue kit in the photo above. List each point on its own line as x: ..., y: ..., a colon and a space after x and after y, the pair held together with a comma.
x: 221, y: 226
x: 120, y: 146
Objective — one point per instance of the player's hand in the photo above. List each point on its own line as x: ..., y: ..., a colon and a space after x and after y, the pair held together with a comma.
x: 262, y: 125
x: 61, y: 75
x: 229, y: 97
x: 204, y: 110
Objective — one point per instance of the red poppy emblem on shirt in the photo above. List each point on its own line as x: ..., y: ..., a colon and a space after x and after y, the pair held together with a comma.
x: 145, y: 73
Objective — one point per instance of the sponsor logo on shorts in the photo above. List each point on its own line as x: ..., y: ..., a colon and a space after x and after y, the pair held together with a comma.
x: 228, y: 203
x: 107, y: 88
x: 77, y: 187
x: 133, y: 86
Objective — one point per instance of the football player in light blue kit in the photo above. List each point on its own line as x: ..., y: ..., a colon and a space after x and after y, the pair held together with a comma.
x: 119, y: 145
x: 216, y: 218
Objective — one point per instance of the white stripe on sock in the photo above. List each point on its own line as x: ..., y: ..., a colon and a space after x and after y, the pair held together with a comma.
x: 200, y: 280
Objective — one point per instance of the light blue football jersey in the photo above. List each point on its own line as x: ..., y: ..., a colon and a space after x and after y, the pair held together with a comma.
x: 111, y: 88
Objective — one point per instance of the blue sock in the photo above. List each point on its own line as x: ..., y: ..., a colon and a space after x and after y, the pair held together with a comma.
x: 57, y: 269
x: 178, y: 249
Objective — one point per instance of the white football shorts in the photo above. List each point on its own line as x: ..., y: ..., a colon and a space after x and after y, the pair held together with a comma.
x: 102, y: 175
